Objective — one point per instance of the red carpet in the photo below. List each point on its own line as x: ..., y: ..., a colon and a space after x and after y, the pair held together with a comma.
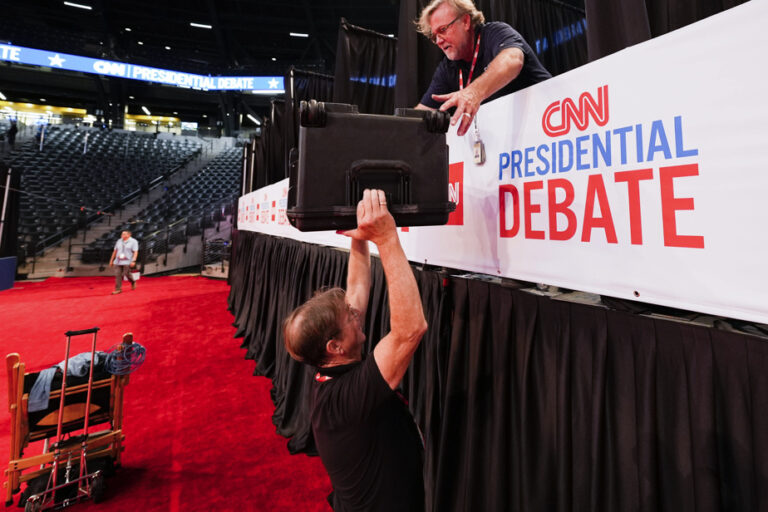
x: 199, y: 434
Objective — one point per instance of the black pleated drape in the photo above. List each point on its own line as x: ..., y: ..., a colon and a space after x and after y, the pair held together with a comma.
x: 417, y: 57
x: 301, y: 86
x: 556, y: 31
x: 530, y: 403
x: 365, y: 69
x: 280, y: 131
x: 275, y: 142
x: 616, y: 24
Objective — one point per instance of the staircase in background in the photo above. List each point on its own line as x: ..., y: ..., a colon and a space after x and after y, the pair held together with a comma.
x: 63, y: 260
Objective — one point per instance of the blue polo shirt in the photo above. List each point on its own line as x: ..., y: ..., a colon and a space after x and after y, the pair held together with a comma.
x: 125, y: 250
x: 496, y: 36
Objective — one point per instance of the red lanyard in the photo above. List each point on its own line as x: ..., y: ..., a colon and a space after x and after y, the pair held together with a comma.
x: 471, y: 69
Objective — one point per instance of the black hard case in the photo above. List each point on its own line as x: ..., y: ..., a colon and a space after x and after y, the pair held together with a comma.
x: 342, y: 152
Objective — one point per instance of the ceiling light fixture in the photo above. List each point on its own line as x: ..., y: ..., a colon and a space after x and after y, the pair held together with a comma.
x: 140, y: 42
x: 167, y: 47
x: 2, y: 96
x: 131, y: 98
x: 200, y: 25
x: 146, y: 110
x: 127, y: 29
x: 256, y: 121
x: 79, y: 6
x: 298, y: 34
x: 274, y: 59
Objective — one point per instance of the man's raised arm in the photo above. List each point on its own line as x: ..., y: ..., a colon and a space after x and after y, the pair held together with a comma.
x: 407, y: 323
x: 504, y: 68
x: 359, y: 276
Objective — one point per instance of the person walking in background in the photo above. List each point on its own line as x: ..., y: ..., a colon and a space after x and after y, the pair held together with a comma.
x: 12, y: 131
x: 124, y: 259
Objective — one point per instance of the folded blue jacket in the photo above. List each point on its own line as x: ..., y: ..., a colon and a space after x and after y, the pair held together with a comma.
x: 78, y: 366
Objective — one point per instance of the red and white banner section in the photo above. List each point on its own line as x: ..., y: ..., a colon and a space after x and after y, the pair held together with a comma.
x: 642, y: 175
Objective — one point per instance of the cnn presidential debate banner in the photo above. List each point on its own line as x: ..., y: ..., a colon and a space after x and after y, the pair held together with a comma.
x: 642, y: 176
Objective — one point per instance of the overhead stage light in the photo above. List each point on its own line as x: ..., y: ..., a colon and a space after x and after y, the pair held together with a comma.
x: 256, y: 121
x: 2, y: 96
x: 298, y: 34
x: 79, y: 6
x: 127, y: 29
x: 146, y: 110
x: 167, y: 47
x: 200, y: 25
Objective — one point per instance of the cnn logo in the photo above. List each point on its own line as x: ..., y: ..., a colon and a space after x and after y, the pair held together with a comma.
x: 558, y: 117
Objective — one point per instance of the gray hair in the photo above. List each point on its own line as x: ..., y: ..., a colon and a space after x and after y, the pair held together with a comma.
x: 460, y: 6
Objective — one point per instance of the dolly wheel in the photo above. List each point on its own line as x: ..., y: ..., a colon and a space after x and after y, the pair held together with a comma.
x: 33, y: 506
x: 97, y: 488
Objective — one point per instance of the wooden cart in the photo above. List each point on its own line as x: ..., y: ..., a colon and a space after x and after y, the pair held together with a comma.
x: 106, y: 408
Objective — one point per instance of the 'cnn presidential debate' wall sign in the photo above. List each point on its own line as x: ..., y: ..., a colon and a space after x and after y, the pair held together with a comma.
x: 641, y: 175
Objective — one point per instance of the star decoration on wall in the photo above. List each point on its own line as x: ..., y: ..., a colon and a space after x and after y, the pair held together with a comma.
x: 56, y: 60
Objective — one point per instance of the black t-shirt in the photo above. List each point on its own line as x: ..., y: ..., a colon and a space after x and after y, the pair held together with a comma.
x: 367, y: 440
x: 495, y: 37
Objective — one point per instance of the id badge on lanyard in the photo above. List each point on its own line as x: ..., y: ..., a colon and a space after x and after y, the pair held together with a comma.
x: 478, y: 148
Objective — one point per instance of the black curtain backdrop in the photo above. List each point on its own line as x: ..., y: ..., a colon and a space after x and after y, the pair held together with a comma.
x: 301, y: 86
x: 261, y: 171
x: 417, y: 57
x: 556, y: 31
x: 280, y: 131
x: 269, y: 159
x: 530, y: 403
x: 275, y: 142
x: 616, y: 24
x: 365, y: 69
x: 260, y: 160
x: 9, y: 241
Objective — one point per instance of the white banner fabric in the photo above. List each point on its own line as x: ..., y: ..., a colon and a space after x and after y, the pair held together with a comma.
x: 638, y: 176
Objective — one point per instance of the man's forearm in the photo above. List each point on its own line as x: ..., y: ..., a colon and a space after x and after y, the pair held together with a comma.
x: 406, y: 313
x: 504, y: 68
x: 359, y: 275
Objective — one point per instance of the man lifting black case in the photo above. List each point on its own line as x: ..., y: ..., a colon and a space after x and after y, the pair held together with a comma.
x: 342, y: 152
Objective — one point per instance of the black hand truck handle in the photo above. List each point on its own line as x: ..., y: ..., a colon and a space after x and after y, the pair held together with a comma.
x: 92, y: 330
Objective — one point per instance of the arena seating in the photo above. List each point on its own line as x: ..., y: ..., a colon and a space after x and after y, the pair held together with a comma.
x: 185, y: 210
x: 59, y: 180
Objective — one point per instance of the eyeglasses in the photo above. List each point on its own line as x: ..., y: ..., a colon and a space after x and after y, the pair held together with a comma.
x: 353, y: 315
x: 442, y: 30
